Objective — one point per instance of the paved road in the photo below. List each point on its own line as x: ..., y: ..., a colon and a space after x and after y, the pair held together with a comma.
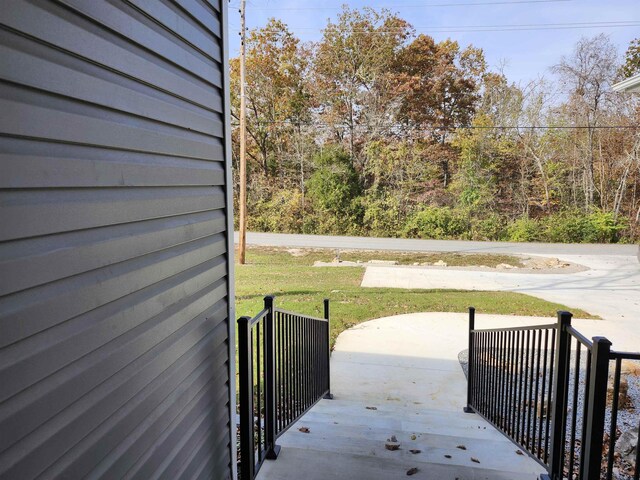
x: 404, y: 244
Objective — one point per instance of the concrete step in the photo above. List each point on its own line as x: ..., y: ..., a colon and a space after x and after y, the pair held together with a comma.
x: 295, y: 463
x: 395, y: 417
x: 346, y: 440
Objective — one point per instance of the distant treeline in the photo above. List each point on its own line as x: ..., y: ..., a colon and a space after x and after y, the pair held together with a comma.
x: 377, y: 131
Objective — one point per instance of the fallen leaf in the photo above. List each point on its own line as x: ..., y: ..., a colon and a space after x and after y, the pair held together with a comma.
x: 304, y: 429
x: 474, y: 459
x: 415, y: 451
x: 519, y: 452
x: 413, y: 471
x: 461, y: 447
x: 447, y: 456
x: 371, y: 408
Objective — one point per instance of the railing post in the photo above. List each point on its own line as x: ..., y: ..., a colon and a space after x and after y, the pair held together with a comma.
x: 272, y: 450
x: 470, y: 366
x: 596, y: 407
x: 560, y: 387
x: 245, y: 367
x: 328, y: 395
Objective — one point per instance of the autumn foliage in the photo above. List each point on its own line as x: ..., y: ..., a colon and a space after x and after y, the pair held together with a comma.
x: 374, y: 130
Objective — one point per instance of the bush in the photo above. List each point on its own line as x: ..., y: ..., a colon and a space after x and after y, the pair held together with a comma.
x: 524, y: 229
x: 283, y: 212
x: 437, y: 223
x: 489, y: 228
x: 381, y: 216
x: 578, y: 227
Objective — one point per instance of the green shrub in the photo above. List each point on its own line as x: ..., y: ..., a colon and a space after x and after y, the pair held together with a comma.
x: 283, y: 212
x: 605, y: 228
x: 524, y: 229
x: 578, y: 227
x: 489, y: 228
x: 437, y: 223
x: 381, y: 216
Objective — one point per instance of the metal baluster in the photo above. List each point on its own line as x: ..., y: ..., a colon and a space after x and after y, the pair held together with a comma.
x: 586, y: 411
x: 574, y: 407
x: 597, y: 400
x: 552, y: 365
x: 614, y: 418
x: 557, y: 437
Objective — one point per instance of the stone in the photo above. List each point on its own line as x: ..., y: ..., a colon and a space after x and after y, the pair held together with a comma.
x: 505, y: 266
x: 383, y: 262
x: 623, y: 395
x: 440, y: 263
x: 627, y: 444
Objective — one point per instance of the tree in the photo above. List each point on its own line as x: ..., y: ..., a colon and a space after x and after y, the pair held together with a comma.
x: 587, y: 76
x: 352, y: 75
x: 631, y: 65
x: 439, y: 85
x: 278, y: 99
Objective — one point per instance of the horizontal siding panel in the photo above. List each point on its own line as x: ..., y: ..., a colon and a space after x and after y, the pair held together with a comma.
x: 26, y: 163
x: 24, y: 120
x: 150, y: 385
x: 87, y: 40
x: 104, y: 371
x: 148, y: 444
x: 101, y: 324
x: 116, y: 346
x: 200, y: 441
x: 39, y: 260
x: 192, y: 29
x: 93, y: 456
x: 207, y: 13
x: 51, y: 75
x: 139, y: 29
x: 64, y: 210
x: 154, y: 279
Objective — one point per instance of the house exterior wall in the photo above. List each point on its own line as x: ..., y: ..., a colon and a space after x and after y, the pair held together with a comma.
x: 116, y: 266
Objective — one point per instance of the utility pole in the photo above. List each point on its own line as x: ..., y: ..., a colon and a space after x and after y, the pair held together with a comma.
x: 243, y: 147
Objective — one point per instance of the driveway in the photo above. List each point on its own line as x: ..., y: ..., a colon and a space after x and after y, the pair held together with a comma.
x: 610, y: 288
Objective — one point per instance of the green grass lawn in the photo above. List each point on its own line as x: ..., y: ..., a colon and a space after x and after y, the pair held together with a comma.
x: 300, y: 287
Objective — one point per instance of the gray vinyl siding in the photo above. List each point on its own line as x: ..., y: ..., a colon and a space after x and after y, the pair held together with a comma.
x: 116, y: 272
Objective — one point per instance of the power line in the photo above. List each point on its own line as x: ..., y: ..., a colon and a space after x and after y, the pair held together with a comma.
x: 482, y: 28
x: 424, y: 5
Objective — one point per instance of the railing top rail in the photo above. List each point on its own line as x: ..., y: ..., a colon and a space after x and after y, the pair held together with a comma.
x: 580, y: 337
x: 287, y: 312
x: 261, y: 314
x: 516, y: 329
x: 625, y: 355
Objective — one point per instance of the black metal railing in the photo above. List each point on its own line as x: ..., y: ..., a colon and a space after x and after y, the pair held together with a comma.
x: 283, y: 363
x: 545, y: 387
x: 626, y: 462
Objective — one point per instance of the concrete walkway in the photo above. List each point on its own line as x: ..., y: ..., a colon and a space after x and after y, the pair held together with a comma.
x: 406, y: 367
x: 610, y: 288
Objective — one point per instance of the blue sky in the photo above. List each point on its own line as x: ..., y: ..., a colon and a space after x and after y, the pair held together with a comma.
x: 525, y: 54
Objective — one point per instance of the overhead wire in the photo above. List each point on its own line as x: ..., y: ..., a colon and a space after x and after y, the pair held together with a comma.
x: 422, y: 5
x: 481, y: 28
